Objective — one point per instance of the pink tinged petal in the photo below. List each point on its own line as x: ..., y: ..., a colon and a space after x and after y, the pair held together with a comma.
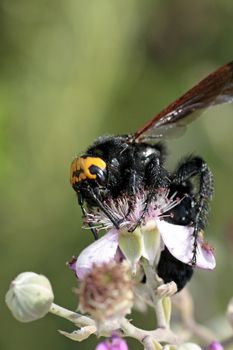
x: 72, y: 263
x: 205, y: 256
x: 179, y: 241
x: 101, y: 251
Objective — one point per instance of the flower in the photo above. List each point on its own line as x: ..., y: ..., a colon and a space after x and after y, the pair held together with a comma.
x: 116, y: 343
x: 147, y: 240
x: 106, y: 292
x: 30, y: 296
x: 215, y: 345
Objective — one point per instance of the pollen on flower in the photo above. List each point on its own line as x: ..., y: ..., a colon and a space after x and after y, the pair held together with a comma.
x: 106, y: 292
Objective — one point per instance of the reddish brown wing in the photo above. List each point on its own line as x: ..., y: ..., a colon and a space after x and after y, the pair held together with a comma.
x: 215, y: 89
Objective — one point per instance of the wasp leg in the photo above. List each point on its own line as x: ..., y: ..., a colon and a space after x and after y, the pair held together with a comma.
x: 190, y: 168
x: 81, y: 203
x: 114, y: 220
x: 155, y: 177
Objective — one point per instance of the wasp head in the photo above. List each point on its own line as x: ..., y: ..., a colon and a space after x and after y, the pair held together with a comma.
x: 87, y: 169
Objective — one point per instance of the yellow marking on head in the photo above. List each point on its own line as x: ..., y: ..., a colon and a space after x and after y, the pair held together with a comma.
x: 80, y: 169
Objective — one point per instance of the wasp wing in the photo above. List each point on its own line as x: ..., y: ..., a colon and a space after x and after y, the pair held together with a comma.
x: 216, y: 88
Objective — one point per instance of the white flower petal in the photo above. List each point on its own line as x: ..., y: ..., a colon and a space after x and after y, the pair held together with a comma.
x: 179, y: 241
x: 101, y: 251
x: 205, y: 257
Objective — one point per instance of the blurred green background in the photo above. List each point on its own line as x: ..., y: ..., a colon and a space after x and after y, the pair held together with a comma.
x: 70, y: 71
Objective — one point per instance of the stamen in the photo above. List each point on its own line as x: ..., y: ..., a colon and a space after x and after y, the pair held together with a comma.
x: 128, y: 214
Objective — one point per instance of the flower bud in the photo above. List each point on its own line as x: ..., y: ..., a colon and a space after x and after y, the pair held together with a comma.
x: 30, y: 296
x: 106, y: 292
x: 215, y: 345
x: 189, y: 346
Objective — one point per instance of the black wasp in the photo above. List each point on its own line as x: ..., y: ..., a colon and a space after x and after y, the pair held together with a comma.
x: 116, y: 166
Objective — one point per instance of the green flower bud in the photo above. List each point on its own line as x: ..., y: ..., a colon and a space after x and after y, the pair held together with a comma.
x: 30, y: 296
x: 189, y: 346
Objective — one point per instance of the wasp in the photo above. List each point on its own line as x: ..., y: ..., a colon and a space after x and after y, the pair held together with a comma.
x: 116, y: 166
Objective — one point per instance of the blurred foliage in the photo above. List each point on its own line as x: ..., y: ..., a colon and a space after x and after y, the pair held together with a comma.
x: 71, y: 71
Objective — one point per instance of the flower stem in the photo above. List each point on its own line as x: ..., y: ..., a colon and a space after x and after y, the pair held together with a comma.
x: 153, y: 282
x: 158, y: 335
x: 147, y: 338
x: 78, y: 319
x: 158, y: 306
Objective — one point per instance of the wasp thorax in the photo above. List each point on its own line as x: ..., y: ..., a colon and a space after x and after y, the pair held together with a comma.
x: 88, y: 168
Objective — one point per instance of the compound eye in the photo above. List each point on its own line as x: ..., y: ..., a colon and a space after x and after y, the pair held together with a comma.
x: 100, y: 174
